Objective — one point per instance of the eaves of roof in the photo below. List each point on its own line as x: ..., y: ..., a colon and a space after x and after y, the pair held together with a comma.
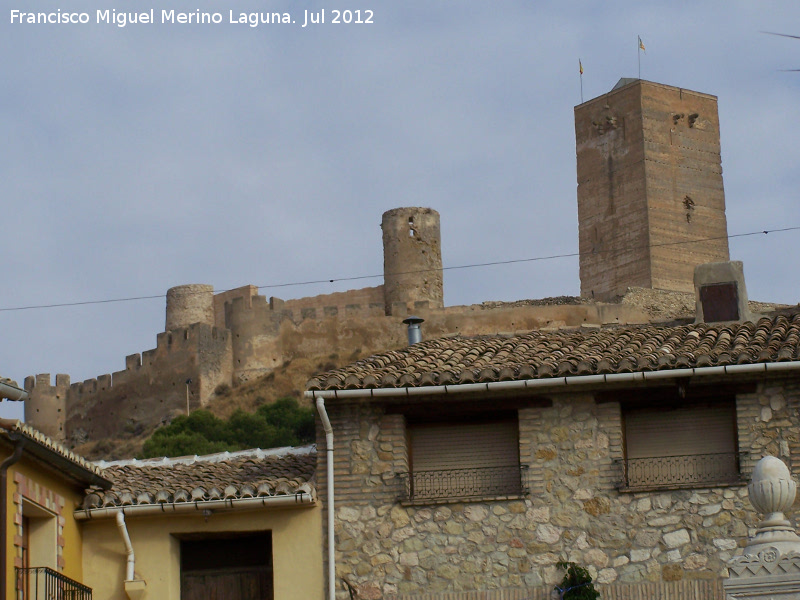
x: 585, y: 356
x: 50, y: 454
x: 246, y: 479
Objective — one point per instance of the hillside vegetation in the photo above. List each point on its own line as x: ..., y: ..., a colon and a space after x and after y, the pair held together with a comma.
x: 282, y: 423
x: 287, y: 381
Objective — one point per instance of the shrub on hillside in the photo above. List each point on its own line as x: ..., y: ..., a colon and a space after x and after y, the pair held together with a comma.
x: 283, y: 423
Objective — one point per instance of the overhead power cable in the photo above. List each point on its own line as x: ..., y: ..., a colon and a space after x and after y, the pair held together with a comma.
x: 361, y: 277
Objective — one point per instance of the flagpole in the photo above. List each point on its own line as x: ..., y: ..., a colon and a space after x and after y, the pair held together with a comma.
x: 639, y: 50
x: 639, y: 55
x: 580, y: 70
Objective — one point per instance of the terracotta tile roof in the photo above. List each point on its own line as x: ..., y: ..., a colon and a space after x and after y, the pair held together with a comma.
x: 49, y: 451
x: 235, y: 475
x: 539, y: 355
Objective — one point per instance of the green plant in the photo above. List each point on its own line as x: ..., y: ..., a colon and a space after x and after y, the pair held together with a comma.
x: 577, y: 583
x: 283, y: 423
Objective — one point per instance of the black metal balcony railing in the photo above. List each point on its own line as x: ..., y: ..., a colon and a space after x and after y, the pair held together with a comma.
x: 677, y: 471
x: 43, y: 583
x: 453, y: 484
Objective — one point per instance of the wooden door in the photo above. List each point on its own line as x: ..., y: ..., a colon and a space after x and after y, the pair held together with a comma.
x: 227, y: 566
x: 227, y: 584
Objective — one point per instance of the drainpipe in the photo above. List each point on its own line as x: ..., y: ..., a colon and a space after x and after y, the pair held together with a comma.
x: 326, y: 425
x: 123, y: 529
x: 134, y: 588
x: 11, y: 392
x: 4, y: 512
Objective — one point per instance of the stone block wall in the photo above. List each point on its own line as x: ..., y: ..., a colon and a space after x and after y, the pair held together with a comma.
x: 325, y: 304
x: 649, y: 182
x: 246, y: 293
x: 671, y: 542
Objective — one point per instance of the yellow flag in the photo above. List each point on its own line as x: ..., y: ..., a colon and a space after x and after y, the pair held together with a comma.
x: 641, y: 44
x: 580, y: 66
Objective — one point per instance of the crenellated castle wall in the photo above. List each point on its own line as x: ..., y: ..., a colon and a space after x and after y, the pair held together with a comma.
x: 152, y: 386
x: 370, y: 299
x: 261, y: 335
x: 266, y: 333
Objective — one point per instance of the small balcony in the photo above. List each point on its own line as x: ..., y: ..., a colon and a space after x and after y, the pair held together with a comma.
x: 43, y: 583
x: 463, y: 484
x: 673, y: 472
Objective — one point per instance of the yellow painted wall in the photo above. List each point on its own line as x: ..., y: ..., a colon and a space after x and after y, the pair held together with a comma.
x: 72, y: 495
x: 296, y: 550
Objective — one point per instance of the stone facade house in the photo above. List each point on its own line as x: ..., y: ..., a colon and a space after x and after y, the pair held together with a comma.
x: 232, y: 526
x: 467, y: 468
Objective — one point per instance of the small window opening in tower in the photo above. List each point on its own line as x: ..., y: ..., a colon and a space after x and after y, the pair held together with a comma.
x: 688, y: 205
x: 411, y: 232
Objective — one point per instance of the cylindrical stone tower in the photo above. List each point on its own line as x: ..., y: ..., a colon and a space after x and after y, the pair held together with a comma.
x: 412, y: 257
x: 46, y: 406
x: 188, y: 304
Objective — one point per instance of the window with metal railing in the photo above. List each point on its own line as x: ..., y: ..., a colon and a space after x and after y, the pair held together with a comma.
x: 464, y: 484
x: 462, y: 460
x: 681, y: 471
x: 680, y: 444
x: 43, y: 583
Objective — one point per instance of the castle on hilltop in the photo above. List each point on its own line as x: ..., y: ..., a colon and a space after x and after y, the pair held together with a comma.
x: 651, y: 207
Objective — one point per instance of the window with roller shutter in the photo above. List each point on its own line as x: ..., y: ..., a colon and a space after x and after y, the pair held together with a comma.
x: 680, y: 445
x: 462, y: 460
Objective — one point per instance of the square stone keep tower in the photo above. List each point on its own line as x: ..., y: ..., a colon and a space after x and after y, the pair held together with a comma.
x: 651, y: 205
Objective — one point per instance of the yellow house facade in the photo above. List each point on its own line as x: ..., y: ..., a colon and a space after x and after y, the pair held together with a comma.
x: 188, y: 528
x: 41, y: 485
x: 246, y: 523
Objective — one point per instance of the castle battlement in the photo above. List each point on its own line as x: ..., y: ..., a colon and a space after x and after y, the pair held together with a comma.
x: 44, y: 381
x: 178, y: 339
x: 313, y: 307
x: 133, y: 362
x: 153, y: 384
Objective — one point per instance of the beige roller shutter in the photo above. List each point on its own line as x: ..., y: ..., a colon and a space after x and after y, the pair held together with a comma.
x: 681, y: 446
x: 440, y: 447
x: 707, y: 429
x: 464, y: 460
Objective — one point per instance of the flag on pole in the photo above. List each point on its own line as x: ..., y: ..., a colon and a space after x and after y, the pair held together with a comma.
x: 641, y: 45
x: 580, y: 66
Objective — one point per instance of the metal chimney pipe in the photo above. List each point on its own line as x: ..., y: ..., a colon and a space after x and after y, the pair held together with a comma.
x: 414, y: 331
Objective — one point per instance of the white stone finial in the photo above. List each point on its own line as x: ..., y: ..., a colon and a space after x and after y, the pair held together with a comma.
x: 770, y: 563
x: 772, y: 491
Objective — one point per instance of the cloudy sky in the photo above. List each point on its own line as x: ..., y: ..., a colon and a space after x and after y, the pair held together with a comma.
x: 141, y: 157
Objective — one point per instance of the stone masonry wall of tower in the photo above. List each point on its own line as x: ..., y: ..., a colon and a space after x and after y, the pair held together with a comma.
x: 649, y: 185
